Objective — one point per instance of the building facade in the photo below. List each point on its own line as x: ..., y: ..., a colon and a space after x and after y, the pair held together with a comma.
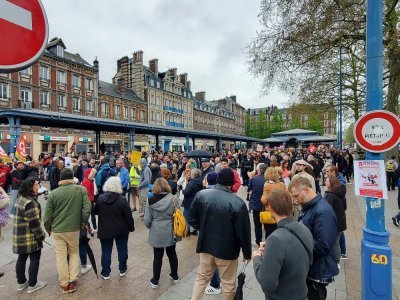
x: 299, y: 116
x: 59, y: 81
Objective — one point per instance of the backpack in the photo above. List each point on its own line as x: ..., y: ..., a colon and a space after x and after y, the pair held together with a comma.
x: 390, y: 166
x: 179, y: 223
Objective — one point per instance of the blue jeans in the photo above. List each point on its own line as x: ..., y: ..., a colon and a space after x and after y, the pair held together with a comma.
x: 106, y: 251
x: 342, y: 243
x: 215, y: 280
x: 14, y: 194
x: 186, y: 215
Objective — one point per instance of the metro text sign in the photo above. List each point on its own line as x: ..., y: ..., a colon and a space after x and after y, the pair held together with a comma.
x: 24, y: 33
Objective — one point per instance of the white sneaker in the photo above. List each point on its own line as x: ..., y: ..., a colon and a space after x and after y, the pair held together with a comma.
x: 212, y: 291
x: 338, y: 265
x: 39, y: 285
x: 85, y: 269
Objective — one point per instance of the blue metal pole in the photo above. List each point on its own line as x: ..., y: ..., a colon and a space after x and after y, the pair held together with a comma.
x: 376, y: 255
x: 132, y: 139
x: 187, y: 143
x: 340, y: 100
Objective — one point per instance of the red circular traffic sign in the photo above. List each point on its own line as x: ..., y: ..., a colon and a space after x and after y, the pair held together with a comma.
x: 24, y: 32
x: 377, y: 131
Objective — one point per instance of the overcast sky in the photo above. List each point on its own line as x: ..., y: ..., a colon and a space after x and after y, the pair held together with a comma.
x: 206, y: 39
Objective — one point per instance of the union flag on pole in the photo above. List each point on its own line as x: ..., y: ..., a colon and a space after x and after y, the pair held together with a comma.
x: 312, y: 148
x: 4, y: 156
x: 20, y: 152
x: 72, y: 149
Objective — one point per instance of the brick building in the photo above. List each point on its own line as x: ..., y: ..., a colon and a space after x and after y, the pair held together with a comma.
x: 58, y: 81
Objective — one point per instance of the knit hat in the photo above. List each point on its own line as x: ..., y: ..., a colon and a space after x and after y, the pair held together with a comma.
x: 212, y: 178
x: 66, y: 173
x: 226, y: 177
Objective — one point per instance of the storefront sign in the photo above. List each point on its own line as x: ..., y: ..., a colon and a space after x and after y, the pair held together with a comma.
x: 48, y: 138
x: 85, y: 139
x: 370, y: 179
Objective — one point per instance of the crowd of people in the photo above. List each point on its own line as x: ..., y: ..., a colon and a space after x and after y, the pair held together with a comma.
x: 298, y: 227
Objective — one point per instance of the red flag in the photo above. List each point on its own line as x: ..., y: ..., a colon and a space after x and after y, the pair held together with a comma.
x: 4, y: 156
x: 20, y: 152
x: 312, y: 148
x: 72, y: 149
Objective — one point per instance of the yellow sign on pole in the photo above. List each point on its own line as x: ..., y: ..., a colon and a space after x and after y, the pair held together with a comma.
x: 135, y: 157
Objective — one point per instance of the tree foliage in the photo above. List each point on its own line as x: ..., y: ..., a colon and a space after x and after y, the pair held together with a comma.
x: 298, y: 51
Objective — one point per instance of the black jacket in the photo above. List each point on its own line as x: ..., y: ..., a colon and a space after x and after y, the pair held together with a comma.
x: 16, y: 179
x: 54, y: 178
x: 256, y: 187
x: 194, y: 185
x: 115, y: 216
x: 338, y: 202
x: 30, y: 172
x: 223, y: 222
x: 320, y: 218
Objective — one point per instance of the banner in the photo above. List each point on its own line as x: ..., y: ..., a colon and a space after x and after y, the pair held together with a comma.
x: 135, y: 157
x: 312, y: 148
x: 4, y: 156
x: 370, y: 178
x: 20, y: 151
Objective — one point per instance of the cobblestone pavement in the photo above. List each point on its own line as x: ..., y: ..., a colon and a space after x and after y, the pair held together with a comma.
x: 135, y: 285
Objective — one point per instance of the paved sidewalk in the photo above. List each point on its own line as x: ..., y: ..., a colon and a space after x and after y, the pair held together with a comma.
x: 136, y: 283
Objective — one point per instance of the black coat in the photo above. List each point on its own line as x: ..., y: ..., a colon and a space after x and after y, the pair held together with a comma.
x: 115, y: 216
x: 54, y: 178
x: 338, y: 202
x: 194, y: 185
x: 223, y: 222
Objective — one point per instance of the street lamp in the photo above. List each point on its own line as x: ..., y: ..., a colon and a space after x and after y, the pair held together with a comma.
x: 340, y: 100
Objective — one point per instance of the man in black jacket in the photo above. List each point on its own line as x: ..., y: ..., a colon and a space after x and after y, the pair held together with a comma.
x: 223, y: 221
x: 55, y: 175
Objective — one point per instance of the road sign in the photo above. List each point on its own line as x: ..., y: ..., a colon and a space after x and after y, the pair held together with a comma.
x: 24, y: 33
x: 377, y: 131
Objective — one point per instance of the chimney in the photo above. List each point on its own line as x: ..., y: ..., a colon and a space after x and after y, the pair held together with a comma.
x: 201, y: 96
x: 233, y: 98
x: 172, y: 72
x: 121, y: 85
x: 153, y: 65
x: 138, y: 57
x: 189, y: 85
x: 96, y: 64
x: 183, y: 79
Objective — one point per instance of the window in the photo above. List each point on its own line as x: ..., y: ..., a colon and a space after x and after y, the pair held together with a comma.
x: 89, y: 84
x: 25, y: 95
x: 326, y: 115
x: 26, y: 71
x: 75, y: 81
x: 126, y: 112
x: 76, y: 103
x: 44, y: 98
x: 133, y: 113
x: 142, y: 115
x: 104, y: 108
x: 4, y: 91
x: 158, y: 116
x: 61, y: 77
x: 158, y: 85
x: 60, y: 51
x: 44, y: 73
x: 89, y: 105
x: 117, y: 110
x: 152, y: 116
x: 61, y: 101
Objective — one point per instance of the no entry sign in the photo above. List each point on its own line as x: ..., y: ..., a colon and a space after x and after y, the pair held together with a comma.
x: 377, y: 131
x: 24, y: 33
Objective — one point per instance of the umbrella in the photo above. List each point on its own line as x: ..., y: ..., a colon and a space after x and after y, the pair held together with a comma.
x: 199, y: 154
x: 241, y: 278
x: 90, y: 254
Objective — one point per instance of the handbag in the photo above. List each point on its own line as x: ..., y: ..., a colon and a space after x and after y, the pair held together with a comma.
x: 266, y: 217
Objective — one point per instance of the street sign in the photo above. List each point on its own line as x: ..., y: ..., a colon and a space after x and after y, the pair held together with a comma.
x: 377, y: 131
x: 24, y: 33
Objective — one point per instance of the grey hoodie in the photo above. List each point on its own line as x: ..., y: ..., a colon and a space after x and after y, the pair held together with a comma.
x: 145, y: 175
x: 158, y: 218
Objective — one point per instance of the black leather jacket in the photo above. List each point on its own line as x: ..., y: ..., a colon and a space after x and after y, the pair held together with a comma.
x: 223, y: 221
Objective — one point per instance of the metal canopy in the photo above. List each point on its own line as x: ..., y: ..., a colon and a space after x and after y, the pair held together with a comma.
x: 64, y: 120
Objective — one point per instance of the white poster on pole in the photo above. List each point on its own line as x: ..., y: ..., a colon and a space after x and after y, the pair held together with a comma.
x: 67, y: 162
x: 370, y: 179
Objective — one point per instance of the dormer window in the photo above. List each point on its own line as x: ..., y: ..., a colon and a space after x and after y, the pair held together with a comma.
x: 60, y: 51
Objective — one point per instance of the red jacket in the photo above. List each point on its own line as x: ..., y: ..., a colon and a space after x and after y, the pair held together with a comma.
x: 3, y: 179
x: 88, y: 184
x: 237, y: 184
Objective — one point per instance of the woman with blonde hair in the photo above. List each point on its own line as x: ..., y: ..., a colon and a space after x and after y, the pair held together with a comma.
x: 272, y: 183
x: 158, y: 218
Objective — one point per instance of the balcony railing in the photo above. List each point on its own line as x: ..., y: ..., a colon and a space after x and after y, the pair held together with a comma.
x: 175, y: 124
x: 25, y: 104
x: 173, y: 109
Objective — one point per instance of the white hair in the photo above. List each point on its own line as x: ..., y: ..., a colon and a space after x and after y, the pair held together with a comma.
x: 113, y: 184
